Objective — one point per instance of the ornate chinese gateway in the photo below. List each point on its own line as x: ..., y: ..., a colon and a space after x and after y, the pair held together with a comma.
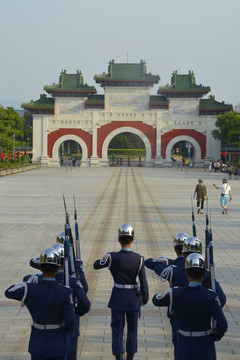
x: 74, y: 111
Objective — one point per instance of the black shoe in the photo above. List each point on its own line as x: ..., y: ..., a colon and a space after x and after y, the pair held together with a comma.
x: 226, y: 211
x: 198, y: 211
x: 130, y: 356
x: 118, y: 356
x: 222, y: 212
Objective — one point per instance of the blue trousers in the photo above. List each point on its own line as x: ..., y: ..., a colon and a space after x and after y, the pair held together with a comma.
x: 117, y: 325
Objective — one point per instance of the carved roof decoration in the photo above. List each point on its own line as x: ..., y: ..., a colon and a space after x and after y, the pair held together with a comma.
x: 183, y: 85
x: 212, y: 107
x: 126, y: 74
x: 70, y: 84
x: 45, y: 105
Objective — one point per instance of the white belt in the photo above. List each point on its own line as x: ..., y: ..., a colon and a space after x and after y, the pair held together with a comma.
x: 48, y: 326
x: 125, y: 286
x: 195, y: 333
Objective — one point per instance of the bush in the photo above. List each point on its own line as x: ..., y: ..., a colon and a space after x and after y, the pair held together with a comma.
x: 127, y: 152
x: 12, y: 164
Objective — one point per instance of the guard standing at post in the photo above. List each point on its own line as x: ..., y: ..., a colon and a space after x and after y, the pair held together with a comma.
x: 125, y: 266
x: 51, y: 307
x: 195, y: 307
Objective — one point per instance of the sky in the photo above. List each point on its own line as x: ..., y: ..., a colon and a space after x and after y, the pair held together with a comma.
x: 40, y: 38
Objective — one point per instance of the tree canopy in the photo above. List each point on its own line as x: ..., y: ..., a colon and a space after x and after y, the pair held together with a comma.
x: 11, y: 124
x: 126, y: 141
x: 12, y: 128
x: 228, y: 128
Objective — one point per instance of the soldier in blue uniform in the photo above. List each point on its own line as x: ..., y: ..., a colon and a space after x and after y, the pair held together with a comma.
x: 125, y: 266
x: 178, y: 245
x: 81, y: 302
x: 176, y: 276
x: 34, y: 262
x: 51, y: 307
x: 195, y: 307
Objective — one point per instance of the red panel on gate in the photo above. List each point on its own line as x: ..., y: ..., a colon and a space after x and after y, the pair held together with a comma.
x: 168, y: 136
x: 105, y: 130
x: 55, y: 135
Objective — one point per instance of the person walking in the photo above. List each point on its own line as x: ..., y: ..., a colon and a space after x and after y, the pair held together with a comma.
x: 195, y: 307
x: 51, y: 307
x: 125, y: 266
x: 201, y: 194
x: 226, y: 195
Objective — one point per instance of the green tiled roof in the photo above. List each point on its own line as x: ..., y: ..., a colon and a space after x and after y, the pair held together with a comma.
x: 158, y: 99
x: 70, y: 83
x: 95, y: 99
x: 212, y: 104
x: 184, y: 83
x: 127, y: 72
x: 43, y: 103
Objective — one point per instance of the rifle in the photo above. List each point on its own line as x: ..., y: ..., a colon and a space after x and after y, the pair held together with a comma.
x: 193, y: 220
x: 207, y: 242
x: 66, y: 259
x: 68, y: 234
x: 211, y: 263
x: 66, y: 253
x: 78, y: 254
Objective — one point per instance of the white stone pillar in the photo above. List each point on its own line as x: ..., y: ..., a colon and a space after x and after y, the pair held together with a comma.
x: 158, y: 158
x: 94, y: 157
x: 37, y: 138
x: 44, y: 155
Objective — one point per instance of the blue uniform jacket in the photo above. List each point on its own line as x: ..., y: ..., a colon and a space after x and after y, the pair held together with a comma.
x: 82, y: 302
x: 125, y: 267
x: 34, y: 262
x: 151, y: 263
x: 176, y: 276
x: 195, y: 307
x: 48, y: 303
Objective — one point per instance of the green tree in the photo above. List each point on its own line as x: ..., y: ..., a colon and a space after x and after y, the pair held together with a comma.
x: 11, y: 126
x: 27, y: 127
x: 126, y: 141
x: 228, y: 128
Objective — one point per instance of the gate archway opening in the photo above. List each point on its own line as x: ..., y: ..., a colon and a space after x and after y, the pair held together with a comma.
x: 70, y: 153
x: 69, y: 146
x: 188, y: 147
x: 126, y: 149
x: 182, y: 149
x: 122, y: 130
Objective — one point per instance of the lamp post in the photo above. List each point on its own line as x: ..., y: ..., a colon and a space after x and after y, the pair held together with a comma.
x: 13, y: 144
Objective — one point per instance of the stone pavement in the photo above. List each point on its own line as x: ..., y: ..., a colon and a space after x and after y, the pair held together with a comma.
x: 156, y: 201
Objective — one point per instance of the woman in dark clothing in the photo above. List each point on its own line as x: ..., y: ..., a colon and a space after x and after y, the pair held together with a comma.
x: 201, y: 194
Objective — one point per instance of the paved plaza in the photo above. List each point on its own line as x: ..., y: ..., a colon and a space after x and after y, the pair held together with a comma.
x: 157, y: 202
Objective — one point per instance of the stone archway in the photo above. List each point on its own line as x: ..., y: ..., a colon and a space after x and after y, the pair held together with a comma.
x: 130, y: 130
x: 197, y: 148
x: 60, y: 140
